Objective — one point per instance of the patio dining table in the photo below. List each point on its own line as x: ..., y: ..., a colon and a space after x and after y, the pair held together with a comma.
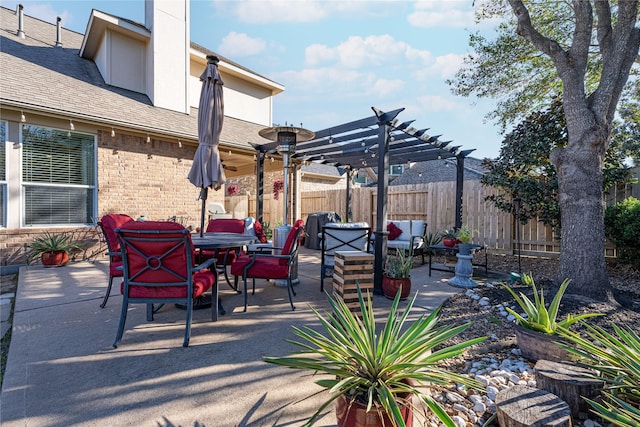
x: 219, y: 241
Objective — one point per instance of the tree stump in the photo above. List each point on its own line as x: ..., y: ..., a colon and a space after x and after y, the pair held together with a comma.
x: 522, y: 406
x: 570, y: 383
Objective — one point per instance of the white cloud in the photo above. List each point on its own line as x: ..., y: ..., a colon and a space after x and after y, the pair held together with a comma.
x: 442, y: 13
x: 444, y: 67
x: 323, y: 80
x: 273, y: 11
x: 359, y: 52
x: 436, y: 103
x: 239, y: 44
x: 383, y: 88
x: 43, y: 11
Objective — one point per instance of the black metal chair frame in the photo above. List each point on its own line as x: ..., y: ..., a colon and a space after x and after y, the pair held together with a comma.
x: 261, y: 254
x: 154, y: 262
x: 351, y: 243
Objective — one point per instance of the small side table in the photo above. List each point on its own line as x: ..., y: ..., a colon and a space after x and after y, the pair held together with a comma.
x: 454, y: 251
x: 352, y: 268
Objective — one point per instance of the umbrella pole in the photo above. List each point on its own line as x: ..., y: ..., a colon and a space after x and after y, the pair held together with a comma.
x: 203, y: 195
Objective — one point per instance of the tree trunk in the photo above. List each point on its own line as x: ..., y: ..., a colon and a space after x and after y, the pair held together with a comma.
x: 580, y: 180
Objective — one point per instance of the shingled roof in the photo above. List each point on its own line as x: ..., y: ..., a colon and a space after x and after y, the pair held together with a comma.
x: 439, y: 171
x: 39, y: 77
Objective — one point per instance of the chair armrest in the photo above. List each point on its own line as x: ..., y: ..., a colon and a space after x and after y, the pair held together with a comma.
x: 205, y: 265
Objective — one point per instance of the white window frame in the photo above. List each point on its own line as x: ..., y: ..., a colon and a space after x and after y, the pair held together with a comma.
x: 93, y: 193
x: 393, y: 170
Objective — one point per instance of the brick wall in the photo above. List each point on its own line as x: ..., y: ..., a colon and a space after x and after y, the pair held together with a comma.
x: 134, y: 177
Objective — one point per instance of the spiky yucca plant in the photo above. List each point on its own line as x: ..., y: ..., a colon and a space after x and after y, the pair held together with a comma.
x: 616, y: 360
x: 539, y: 317
x: 376, y: 369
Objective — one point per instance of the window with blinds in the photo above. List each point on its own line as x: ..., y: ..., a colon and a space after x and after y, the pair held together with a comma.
x: 58, y: 177
x: 3, y: 174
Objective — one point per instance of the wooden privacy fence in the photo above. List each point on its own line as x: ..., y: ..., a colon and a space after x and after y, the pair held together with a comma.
x: 432, y: 202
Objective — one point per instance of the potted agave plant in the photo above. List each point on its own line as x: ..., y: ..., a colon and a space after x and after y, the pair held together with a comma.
x: 377, y: 376
x: 537, y: 331
x: 53, y: 249
x: 397, y: 275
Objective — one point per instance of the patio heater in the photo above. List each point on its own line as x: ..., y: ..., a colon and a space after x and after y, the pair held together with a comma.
x: 287, y: 137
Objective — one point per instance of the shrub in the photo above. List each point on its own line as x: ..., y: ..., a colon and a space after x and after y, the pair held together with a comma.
x: 622, y: 227
x: 615, y: 357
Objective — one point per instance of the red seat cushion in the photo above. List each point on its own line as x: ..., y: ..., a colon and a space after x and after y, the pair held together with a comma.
x: 202, y: 282
x: 115, y: 270
x: 226, y: 225
x: 231, y: 257
x: 265, y: 268
x: 108, y: 224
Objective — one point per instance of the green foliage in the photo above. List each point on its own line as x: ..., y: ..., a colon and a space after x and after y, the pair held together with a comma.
x: 431, y: 239
x: 49, y: 242
x: 464, y: 234
x: 266, y: 227
x: 523, y: 168
x: 399, y: 266
x: 362, y: 364
x: 540, y: 317
x: 616, y: 360
x: 626, y: 130
x: 449, y: 233
x: 622, y: 227
x: 507, y: 68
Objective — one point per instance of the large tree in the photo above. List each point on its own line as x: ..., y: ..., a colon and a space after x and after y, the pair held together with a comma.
x: 591, y: 46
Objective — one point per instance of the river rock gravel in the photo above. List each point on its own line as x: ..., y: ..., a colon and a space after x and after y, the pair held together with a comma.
x: 496, y: 363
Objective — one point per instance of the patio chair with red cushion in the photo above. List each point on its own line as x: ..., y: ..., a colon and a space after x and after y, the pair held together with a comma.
x: 223, y: 256
x: 260, y: 265
x: 108, y: 225
x: 158, y: 268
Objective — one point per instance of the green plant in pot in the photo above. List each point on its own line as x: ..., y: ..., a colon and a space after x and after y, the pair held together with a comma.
x: 540, y: 325
x: 397, y: 274
x: 449, y: 237
x: 380, y: 373
x: 53, y: 249
x: 464, y: 235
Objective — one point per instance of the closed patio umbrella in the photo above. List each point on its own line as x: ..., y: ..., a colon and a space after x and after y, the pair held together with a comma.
x: 207, y: 170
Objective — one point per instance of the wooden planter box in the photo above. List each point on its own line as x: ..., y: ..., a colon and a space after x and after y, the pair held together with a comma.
x: 352, y: 268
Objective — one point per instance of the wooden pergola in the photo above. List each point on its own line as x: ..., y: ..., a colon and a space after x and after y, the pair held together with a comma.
x: 378, y: 141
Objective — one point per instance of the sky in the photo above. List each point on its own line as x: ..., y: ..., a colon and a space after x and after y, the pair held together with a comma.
x: 336, y: 59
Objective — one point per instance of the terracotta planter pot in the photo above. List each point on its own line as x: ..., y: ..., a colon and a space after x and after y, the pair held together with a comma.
x: 536, y: 346
x: 449, y: 242
x: 355, y: 415
x: 54, y: 259
x: 391, y: 286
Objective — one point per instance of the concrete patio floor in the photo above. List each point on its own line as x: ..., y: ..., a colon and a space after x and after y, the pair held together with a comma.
x: 63, y: 371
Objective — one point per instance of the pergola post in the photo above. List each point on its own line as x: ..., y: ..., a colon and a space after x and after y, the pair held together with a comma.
x: 260, y: 155
x: 459, y: 187
x: 348, y: 198
x: 381, y: 205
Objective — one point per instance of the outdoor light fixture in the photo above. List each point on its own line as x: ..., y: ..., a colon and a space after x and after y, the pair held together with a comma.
x: 148, y: 138
x: 179, y: 144
x: 23, y: 119
x: 330, y: 140
x: 113, y: 132
x: 71, y: 126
